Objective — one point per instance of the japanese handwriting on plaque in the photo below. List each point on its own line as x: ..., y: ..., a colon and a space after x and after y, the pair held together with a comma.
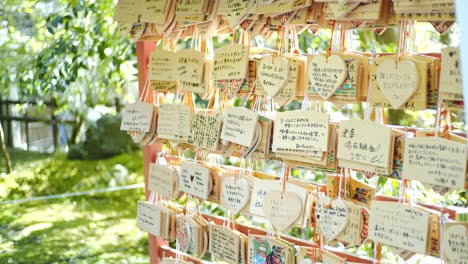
x: 149, y: 218
x: 153, y: 11
x: 126, y: 12
x: 190, y: 65
x: 436, y: 161
x: 162, y: 180
x: 190, y: 7
x: 174, y: 121
x: 205, y: 131
x: 397, y: 82
x: 326, y: 74
x: 224, y: 244
x: 455, y: 243
x: 301, y: 130
x: 352, y: 232
x: 365, y: 142
x: 235, y: 194
x: 195, y: 180
x: 163, y: 65
x: 137, y: 117
x: 235, y: 10
x: 282, y: 210
x: 340, y: 10
x: 273, y: 74
x: 261, y: 188
x: 230, y: 62
x: 239, y: 125
x: 451, y: 81
x: 399, y: 225
x: 332, y: 216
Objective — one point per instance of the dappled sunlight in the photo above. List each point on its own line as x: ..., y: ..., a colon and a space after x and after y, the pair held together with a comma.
x: 36, y: 227
x: 92, y: 228
x: 45, y: 229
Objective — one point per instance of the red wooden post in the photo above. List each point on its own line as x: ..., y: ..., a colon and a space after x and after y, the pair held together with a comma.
x: 143, y: 49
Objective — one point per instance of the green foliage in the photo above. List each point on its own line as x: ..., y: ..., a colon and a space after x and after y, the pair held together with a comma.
x: 20, y: 158
x: 311, y: 43
x: 67, y: 52
x: 95, y: 229
x: 369, y: 41
x: 79, y: 59
x: 104, y: 139
x: 85, y: 229
x: 77, y: 152
x: 58, y: 175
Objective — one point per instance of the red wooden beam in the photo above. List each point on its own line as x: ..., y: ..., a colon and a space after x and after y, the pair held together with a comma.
x: 143, y: 50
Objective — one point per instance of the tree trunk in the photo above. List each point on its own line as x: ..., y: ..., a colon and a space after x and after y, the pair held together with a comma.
x: 4, y: 151
x: 75, y: 131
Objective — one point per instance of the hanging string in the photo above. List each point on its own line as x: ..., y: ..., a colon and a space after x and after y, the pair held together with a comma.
x: 234, y: 33
x: 342, y: 39
x: 284, y: 40
x: 196, y: 39
x: 401, y: 40
x: 349, y: 43
x: 178, y: 253
x: 151, y: 197
x: 143, y: 95
x: 254, y: 85
x: 295, y: 44
x: 330, y: 43
x: 278, y: 41
x: 402, y: 189
x: 283, y: 178
x: 377, y: 253
x: 411, y: 39
x: 449, y: 124
x: 305, y: 103
x: 340, y: 182
x: 369, y: 108
x: 209, y: 48
x: 410, y: 193
x: 439, y: 108
x: 441, y: 234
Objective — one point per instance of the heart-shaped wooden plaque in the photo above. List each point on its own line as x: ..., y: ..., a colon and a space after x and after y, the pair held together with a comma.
x: 282, y: 210
x: 235, y: 194
x: 397, y: 82
x: 326, y: 75
x: 273, y: 74
x: 332, y: 216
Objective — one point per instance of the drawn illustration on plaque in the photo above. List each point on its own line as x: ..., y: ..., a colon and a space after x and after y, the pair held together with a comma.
x: 360, y: 195
x: 265, y: 253
x: 275, y: 256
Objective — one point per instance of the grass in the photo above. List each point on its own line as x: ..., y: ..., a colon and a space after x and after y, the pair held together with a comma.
x: 21, y: 158
x: 85, y: 229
